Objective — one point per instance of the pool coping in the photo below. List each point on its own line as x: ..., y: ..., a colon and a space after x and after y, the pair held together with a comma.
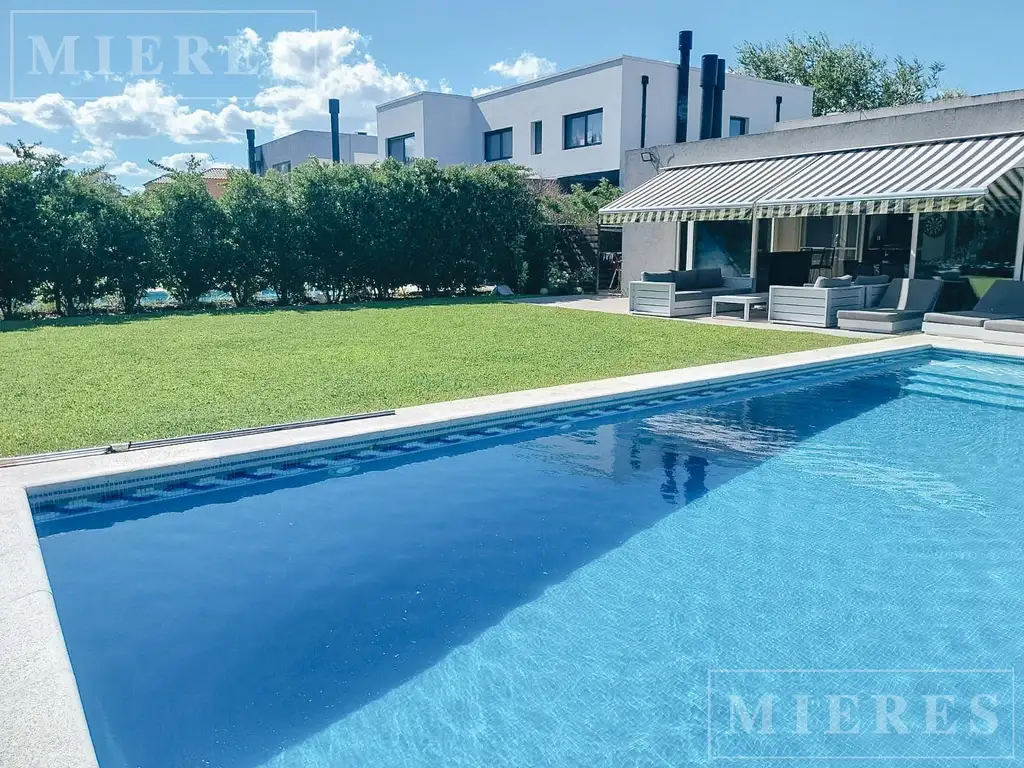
x: 41, y: 713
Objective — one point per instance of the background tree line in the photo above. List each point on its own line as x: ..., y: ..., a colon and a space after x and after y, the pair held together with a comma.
x: 345, y: 232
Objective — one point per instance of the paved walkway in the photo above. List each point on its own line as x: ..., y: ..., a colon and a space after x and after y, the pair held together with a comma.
x: 619, y: 305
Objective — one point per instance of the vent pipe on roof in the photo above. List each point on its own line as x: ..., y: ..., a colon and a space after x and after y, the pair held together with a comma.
x: 250, y: 138
x: 644, y: 80
x: 683, y: 84
x: 778, y: 109
x: 708, y: 83
x: 334, y: 106
x: 716, y: 108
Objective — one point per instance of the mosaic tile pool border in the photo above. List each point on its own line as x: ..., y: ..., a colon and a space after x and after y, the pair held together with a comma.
x: 131, y: 489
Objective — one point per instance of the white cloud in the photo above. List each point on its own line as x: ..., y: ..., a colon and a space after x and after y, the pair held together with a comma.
x: 527, y: 67
x: 180, y: 160
x: 483, y: 90
x: 6, y: 154
x: 302, y: 70
x: 129, y: 168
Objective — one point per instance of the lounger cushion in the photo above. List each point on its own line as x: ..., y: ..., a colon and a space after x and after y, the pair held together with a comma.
x: 668, y: 276
x: 1005, y: 297
x: 970, y: 318
x: 880, y: 315
x: 686, y: 280
x: 833, y: 282
x: 1007, y: 326
x: 871, y: 280
x: 709, y: 277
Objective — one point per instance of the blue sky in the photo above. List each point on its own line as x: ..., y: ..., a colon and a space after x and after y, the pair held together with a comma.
x: 125, y: 112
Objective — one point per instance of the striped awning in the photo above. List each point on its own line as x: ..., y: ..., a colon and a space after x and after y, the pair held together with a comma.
x: 981, y: 173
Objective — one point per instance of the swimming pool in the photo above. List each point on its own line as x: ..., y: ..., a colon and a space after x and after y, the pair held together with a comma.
x: 555, y: 596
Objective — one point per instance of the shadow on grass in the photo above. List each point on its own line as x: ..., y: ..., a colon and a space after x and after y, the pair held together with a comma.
x: 11, y: 326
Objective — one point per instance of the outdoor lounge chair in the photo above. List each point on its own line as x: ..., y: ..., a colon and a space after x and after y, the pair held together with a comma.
x: 815, y: 305
x: 901, y: 308
x: 682, y: 293
x: 1005, y: 332
x: 1004, y: 301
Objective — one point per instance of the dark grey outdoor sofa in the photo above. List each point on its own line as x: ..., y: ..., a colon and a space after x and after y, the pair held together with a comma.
x: 902, y: 308
x: 1004, y: 301
x: 682, y: 293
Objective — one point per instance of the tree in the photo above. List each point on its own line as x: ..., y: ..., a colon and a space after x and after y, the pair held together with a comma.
x: 251, y: 224
x: 188, y: 230
x: 19, y: 233
x: 846, y: 78
x: 131, y: 265
x: 323, y: 198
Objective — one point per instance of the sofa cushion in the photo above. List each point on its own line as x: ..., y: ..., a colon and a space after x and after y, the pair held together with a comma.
x: 871, y: 280
x: 709, y: 277
x: 880, y: 315
x: 686, y: 279
x: 833, y: 282
x: 971, y: 319
x: 1006, y: 326
x: 668, y: 276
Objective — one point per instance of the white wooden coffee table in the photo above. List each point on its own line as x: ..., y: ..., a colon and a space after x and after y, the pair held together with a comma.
x: 745, y: 300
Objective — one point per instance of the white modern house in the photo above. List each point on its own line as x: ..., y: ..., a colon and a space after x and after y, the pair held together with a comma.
x: 290, y: 151
x: 577, y: 125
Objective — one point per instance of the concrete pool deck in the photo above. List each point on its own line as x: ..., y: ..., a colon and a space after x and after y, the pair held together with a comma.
x: 41, y: 715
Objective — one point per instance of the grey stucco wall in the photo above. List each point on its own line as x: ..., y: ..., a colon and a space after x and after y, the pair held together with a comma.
x: 650, y: 247
x: 867, y: 130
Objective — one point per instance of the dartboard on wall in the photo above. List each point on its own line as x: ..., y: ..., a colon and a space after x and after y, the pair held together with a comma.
x: 933, y: 225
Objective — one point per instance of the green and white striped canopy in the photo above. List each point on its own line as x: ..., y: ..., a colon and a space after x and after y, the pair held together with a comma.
x: 970, y: 174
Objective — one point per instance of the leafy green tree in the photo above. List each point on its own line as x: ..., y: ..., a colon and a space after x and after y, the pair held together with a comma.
x: 131, y: 264
x: 188, y: 234
x: 324, y: 195
x: 19, y: 233
x: 252, y: 236
x: 846, y: 77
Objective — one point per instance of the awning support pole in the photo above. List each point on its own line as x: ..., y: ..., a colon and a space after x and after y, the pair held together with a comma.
x: 691, y: 239
x: 753, y: 251
x: 914, y: 230
x: 1018, y: 259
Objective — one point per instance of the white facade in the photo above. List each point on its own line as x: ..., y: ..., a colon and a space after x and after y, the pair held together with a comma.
x: 451, y: 128
x: 290, y: 151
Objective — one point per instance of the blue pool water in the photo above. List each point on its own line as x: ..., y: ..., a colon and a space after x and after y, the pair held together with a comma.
x: 559, y: 599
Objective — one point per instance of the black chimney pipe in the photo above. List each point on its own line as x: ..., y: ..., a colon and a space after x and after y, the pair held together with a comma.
x: 708, y: 83
x: 335, y: 107
x: 683, y: 85
x: 716, y: 108
x: 250, y: 138
x: 644, y: 80
x: 778, y: 109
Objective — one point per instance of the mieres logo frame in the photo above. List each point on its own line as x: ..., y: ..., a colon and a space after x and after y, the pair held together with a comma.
x: 47, y: 48
x: 861, y: 714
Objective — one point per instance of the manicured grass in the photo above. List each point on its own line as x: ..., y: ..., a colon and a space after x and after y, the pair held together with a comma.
x: 77, y: 384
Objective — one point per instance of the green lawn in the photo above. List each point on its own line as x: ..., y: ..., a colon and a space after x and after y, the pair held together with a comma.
x: 73, y: 384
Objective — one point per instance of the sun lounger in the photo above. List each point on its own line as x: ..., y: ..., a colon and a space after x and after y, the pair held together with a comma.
x: 901, y: 308
x: 1005, y: 332
x: 1004, y: 301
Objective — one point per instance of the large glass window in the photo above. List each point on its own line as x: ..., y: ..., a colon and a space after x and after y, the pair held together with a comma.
x: 724, y: 244
x: 738, y: 126
x: 285, y: 167
x: 975, y: 248
x: 498, y: 145
x: 537, y: 137
x: 402, y: 148
x: 584, y: 129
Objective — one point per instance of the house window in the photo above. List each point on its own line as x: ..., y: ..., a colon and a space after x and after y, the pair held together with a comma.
x: 285, y: 167
x: 498, y: 145
x: 537, y: 137
x: 584, y: 129
x: 402, y: 147
x: 738, y: 126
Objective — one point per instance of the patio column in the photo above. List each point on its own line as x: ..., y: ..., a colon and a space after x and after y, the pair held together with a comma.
x: 753, y: 250
x: 914, y: 230
x: 691, y: 239
x: 1018, y: 259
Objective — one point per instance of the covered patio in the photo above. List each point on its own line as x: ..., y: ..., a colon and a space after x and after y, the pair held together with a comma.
x: 949, y: 209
